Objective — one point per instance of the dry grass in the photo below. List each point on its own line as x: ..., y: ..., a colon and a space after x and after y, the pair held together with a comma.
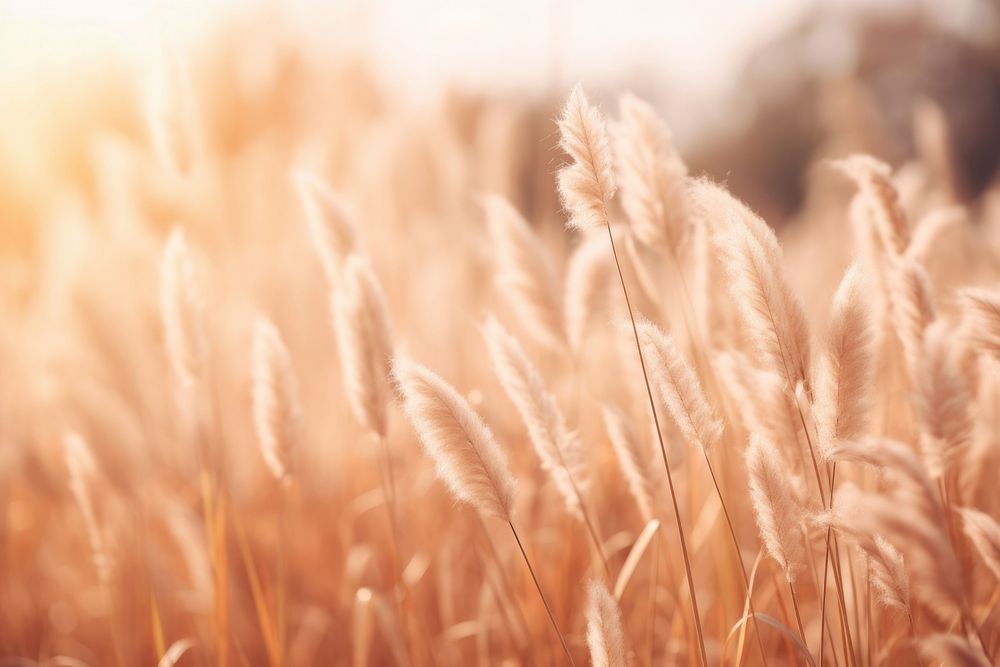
x: 678, y: 438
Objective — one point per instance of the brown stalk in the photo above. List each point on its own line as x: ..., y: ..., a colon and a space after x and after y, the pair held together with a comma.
x: 666, y: 465
x: 538, y: 587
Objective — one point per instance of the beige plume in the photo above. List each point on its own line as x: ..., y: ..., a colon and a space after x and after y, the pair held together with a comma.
x: 182, y: 309
x: 468, y: 458
x: 328, y: 221
x: 605, y: 636
x: 874, y: 180
x: 679, y: 388
x: 771, y: 313
x: 652, y: 174
x: 558, y: 448
x: 363, y: 336
x: 775, y: 506
x: 277, y: 409
x: 942, y: 402
x: 587, y: 185
x: 845, y: 375
x: 912, y: 308
x: 82, y: 468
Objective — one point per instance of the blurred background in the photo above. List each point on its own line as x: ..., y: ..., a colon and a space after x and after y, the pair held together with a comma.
x: 751, y: 89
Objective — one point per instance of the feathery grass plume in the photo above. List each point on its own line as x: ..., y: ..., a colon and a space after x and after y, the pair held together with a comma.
x: 605, y: 636
x: 981, y: 319
x: 888, y: 574
x: 590, y: 270
x: 952, y: 650
x: 587, y: 185
x: 82, y: 468
x: 774, y: 505
x: 170, y: 110
x: 912, y: 308
x: 467, y: 456
x: 524, y: 273
x: 679, y: 388
x: 942, y: 402
x: 845, y: 376
x: 770, y: 311
x: 652, y: 174
x: 635, y: 458
x: 328, y: 221
x: 559, y: 449
x: 277, y: 409
x: 984, y: 533
x: 874, y: 181
x: 363, y: 336
x: 182, y: 309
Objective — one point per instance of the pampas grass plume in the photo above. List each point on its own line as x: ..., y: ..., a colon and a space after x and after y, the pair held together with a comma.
x: 587, y: 185
x: 605, y: 636
x: 467, y: 456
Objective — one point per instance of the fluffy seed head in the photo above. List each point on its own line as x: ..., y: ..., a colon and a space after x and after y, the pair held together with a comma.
x: 277, y: 409
x: 182, y: 310
x: 774, y: 506
x: 653, y: 176
x: 874, y: 180
x: 587, y: 185
x: 82, y: 468
x: 363, y: 335
x: 467, y: 456
x: 679, y: 388
x: 559, y: 449
x: 844, y: 382
x: 605, y: 635
x: 328, y: 222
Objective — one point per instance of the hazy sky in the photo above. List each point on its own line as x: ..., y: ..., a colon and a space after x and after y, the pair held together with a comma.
x: 691, y: 48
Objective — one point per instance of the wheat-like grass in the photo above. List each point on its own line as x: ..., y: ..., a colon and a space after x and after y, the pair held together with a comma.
x: 652, y: 174
x: 468, y: 458
x: 365, y: 341
x: 587, y: 185
x: 775, y: 507
x: 182, y: 309
x: 82, y: 469
x: 679, y: 388
x: 277, y: 408
x: 329, y: 223
x: 881, y: 198
x: 846, y: 369
x: 559, y: 449
x: 605, y: 636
